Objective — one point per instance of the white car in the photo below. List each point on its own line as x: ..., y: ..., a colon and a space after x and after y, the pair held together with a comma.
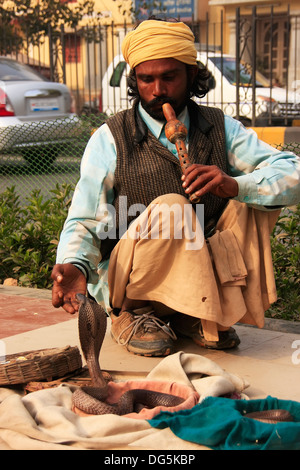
x: 273, y: 104
x: 36, y: 118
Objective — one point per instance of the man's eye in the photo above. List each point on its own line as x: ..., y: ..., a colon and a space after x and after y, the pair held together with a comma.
x: 168, y: 78
x: 146, y: 79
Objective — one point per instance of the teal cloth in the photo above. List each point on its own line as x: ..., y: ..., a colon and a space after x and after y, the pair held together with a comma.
x: 219, y: 423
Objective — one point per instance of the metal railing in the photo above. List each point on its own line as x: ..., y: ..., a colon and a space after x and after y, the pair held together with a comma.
x: 264, y: 44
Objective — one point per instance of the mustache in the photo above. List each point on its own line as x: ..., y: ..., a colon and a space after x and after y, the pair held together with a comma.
x: 161, y: 101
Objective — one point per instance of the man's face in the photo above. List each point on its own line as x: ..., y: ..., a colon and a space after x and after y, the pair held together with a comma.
x: 160, y: 81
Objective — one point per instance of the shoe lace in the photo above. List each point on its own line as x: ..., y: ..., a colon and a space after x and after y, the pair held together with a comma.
x: 145, y: 321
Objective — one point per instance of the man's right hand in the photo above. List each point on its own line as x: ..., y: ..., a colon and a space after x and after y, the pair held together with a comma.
x: 67, y: 282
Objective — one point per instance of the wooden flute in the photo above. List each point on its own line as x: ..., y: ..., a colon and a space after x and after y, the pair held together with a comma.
x: 176, y: 133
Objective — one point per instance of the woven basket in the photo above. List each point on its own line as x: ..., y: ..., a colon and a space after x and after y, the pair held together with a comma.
x: 44, y: 364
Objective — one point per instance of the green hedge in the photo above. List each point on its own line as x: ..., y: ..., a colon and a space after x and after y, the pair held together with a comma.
x: 29, y: 235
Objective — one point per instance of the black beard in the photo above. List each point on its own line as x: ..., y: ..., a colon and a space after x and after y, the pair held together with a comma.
x: 159, y: 115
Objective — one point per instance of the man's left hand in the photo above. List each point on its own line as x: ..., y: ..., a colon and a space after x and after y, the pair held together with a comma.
x: 201, y: 179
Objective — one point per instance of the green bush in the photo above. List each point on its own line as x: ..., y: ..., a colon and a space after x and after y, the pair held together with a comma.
x: 29, y: 236
x: 285, y: 242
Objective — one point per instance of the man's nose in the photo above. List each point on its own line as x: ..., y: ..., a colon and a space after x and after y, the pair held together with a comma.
x: 159, y: 88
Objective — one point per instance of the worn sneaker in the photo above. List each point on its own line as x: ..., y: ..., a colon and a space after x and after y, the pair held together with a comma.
x: 142, y: 333
x: 184, y: 325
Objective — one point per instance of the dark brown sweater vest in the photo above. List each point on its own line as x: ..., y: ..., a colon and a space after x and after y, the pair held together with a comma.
x: 145, y: 169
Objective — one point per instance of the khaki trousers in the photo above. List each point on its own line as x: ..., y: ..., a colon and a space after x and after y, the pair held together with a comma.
x: 163, y: 258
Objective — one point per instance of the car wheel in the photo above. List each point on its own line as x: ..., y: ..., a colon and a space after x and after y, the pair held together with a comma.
x: 41, y: 158
x: 245, y: 121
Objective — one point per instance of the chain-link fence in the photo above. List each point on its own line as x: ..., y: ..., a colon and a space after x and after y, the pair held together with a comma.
x: 291, y: 147
x: 44, y: 154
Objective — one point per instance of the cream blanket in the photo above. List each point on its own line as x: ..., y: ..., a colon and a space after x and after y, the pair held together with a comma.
x: 44, y: 420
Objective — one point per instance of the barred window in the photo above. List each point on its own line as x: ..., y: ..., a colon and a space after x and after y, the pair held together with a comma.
x: 72, y: 48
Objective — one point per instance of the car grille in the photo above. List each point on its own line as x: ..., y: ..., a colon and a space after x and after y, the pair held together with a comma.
x: 290, y: 109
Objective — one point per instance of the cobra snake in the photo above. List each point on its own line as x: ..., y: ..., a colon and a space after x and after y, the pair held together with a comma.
x: 92, y: 324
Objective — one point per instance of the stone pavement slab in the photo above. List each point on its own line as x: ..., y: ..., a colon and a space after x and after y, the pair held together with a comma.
x: 19, y: 314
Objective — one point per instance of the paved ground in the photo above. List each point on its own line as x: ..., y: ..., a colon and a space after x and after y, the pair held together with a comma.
x: 269, y: 359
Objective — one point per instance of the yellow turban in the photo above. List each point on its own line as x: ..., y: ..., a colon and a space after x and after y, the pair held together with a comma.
x: 154, y: 39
